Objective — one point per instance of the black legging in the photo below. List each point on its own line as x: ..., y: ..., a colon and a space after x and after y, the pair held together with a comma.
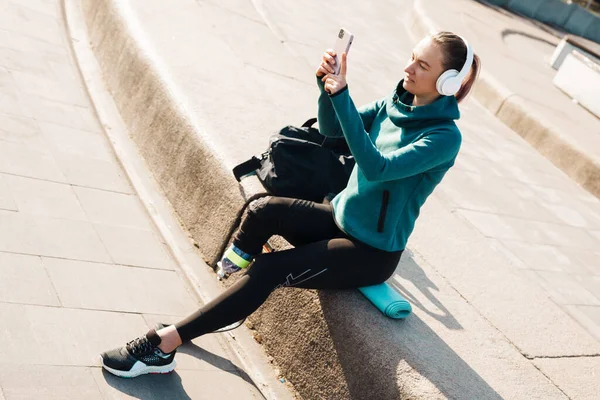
x: 323, y: 257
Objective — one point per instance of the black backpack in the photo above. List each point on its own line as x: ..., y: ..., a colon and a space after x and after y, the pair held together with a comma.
x: 301, y: 163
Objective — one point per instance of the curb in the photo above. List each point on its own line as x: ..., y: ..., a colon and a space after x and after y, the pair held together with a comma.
x: 241, y: 343
x: 514, y: 112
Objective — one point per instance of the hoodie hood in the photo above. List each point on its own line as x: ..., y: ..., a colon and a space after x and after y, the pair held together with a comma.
x: 445, y: 108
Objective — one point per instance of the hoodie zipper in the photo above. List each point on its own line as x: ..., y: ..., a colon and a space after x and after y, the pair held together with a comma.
x: 383, y: 211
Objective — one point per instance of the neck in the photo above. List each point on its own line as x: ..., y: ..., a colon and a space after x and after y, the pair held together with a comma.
x: 425, y: 99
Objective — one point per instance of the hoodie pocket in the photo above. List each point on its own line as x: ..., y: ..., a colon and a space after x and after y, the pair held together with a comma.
x: 383, y: 211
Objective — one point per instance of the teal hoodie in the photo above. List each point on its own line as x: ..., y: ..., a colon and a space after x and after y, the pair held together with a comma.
x: 402, y: 152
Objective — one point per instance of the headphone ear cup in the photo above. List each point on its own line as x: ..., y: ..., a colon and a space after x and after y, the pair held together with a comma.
x: 447, y: 84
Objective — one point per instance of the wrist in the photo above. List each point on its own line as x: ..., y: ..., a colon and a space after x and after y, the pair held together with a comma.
x: 342, y: 90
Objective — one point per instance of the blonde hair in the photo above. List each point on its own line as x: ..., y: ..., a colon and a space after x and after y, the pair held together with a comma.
x: 454, y: 52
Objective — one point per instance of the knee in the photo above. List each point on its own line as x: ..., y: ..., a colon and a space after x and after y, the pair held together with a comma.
x: 265, y: 207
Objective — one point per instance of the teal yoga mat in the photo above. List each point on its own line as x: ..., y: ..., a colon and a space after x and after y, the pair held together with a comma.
x: 387, y: 300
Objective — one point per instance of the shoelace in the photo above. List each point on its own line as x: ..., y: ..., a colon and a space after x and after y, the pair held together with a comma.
x: 140, y: 346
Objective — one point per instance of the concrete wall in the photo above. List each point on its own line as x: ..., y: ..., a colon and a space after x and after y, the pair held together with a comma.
x: 570, y: 17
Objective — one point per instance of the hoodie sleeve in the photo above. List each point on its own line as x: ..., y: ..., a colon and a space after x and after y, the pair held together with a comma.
x: 328, y: 121
x: 431, y: 150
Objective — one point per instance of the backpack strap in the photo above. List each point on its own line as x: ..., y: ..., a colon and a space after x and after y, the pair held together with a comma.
x: 246, y: 167
x: 309, y: 123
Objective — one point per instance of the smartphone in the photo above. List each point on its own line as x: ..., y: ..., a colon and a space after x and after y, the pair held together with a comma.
x: 342, y: 44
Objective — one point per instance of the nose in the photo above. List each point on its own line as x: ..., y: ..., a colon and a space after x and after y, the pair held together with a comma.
x: 410, y: 68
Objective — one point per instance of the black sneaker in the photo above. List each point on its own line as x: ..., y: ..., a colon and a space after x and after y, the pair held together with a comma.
x: 138, y: 357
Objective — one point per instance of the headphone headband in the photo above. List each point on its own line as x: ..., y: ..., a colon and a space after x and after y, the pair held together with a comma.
x: 468, y: 62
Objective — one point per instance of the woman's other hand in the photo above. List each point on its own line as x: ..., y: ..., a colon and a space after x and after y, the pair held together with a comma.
x: 335, y: 83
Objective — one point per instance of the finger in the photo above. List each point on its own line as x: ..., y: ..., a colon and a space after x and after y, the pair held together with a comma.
x: 328, y: 67
x: 329, y: 59
x: 344, y: 63
x: 331, y: 52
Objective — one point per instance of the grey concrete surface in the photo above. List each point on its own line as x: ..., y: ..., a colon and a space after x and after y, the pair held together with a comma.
x: 222, y: 101
x: 83, y: 268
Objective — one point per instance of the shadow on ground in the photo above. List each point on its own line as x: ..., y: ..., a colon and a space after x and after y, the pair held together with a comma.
x: 169, y: 386
x: 402, y: 346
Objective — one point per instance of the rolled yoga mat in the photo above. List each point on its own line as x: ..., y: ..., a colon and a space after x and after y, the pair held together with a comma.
x: 387, y: 300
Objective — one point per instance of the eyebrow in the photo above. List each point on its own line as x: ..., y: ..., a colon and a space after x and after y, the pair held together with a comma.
x: 422, y: 61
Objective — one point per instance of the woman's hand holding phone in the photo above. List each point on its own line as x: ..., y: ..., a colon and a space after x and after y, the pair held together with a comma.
x: 333, y: 83
x: 327, y: 63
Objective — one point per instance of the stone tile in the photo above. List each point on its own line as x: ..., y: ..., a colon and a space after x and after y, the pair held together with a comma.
x: 20, y: 160
x: 111, y: 208
x: 22, y: 131
x: 180, y: 385
x: 588, y: 259
x: 45, y: 110
x: 62, y: 336
x: 51, y: 89
x: 568, y: 236
x: 205, y: 353
x: 98, y: 174
x: 473, y: 191
x: 491, y: 225
x: 576, y: 377
x: 24, y: 280
x: 9, y: 98
x: 25, y: 61
x: 64, y: 71
x: 569, y: 215
x: 18, y: 41
x: 129, y: 246
x: 77, y: 142
x: 118, y: 288
x: 565, y: 289
x: 20, y: 19
x: 7, y: 201
x: 504, y: 227
x: 91, y: 120
x: 48, y: 382
x: 52, y: 8
x: 550, y: 258
x: 590, y: 282
x: 34, y: 196
x: 38, y: 235
x: 592, y: 312
x: 587, y: 316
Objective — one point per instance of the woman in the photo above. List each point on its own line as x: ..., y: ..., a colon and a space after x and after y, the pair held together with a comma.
x: 403, y: 145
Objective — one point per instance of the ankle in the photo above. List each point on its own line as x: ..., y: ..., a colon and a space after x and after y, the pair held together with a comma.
x: 167, y: 349
x: 170, y: 339
x: 237, y: 257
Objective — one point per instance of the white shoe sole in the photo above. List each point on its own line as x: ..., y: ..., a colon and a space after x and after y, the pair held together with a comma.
x: 165, y: 369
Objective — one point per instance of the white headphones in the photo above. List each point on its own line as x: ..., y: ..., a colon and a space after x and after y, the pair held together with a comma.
x: 449, y: 82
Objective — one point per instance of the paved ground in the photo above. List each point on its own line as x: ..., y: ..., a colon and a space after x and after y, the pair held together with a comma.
x: 82, y: 267
x: 514, y: 237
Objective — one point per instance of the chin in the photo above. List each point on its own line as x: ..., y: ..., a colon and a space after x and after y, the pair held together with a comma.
x: 407, y: 86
